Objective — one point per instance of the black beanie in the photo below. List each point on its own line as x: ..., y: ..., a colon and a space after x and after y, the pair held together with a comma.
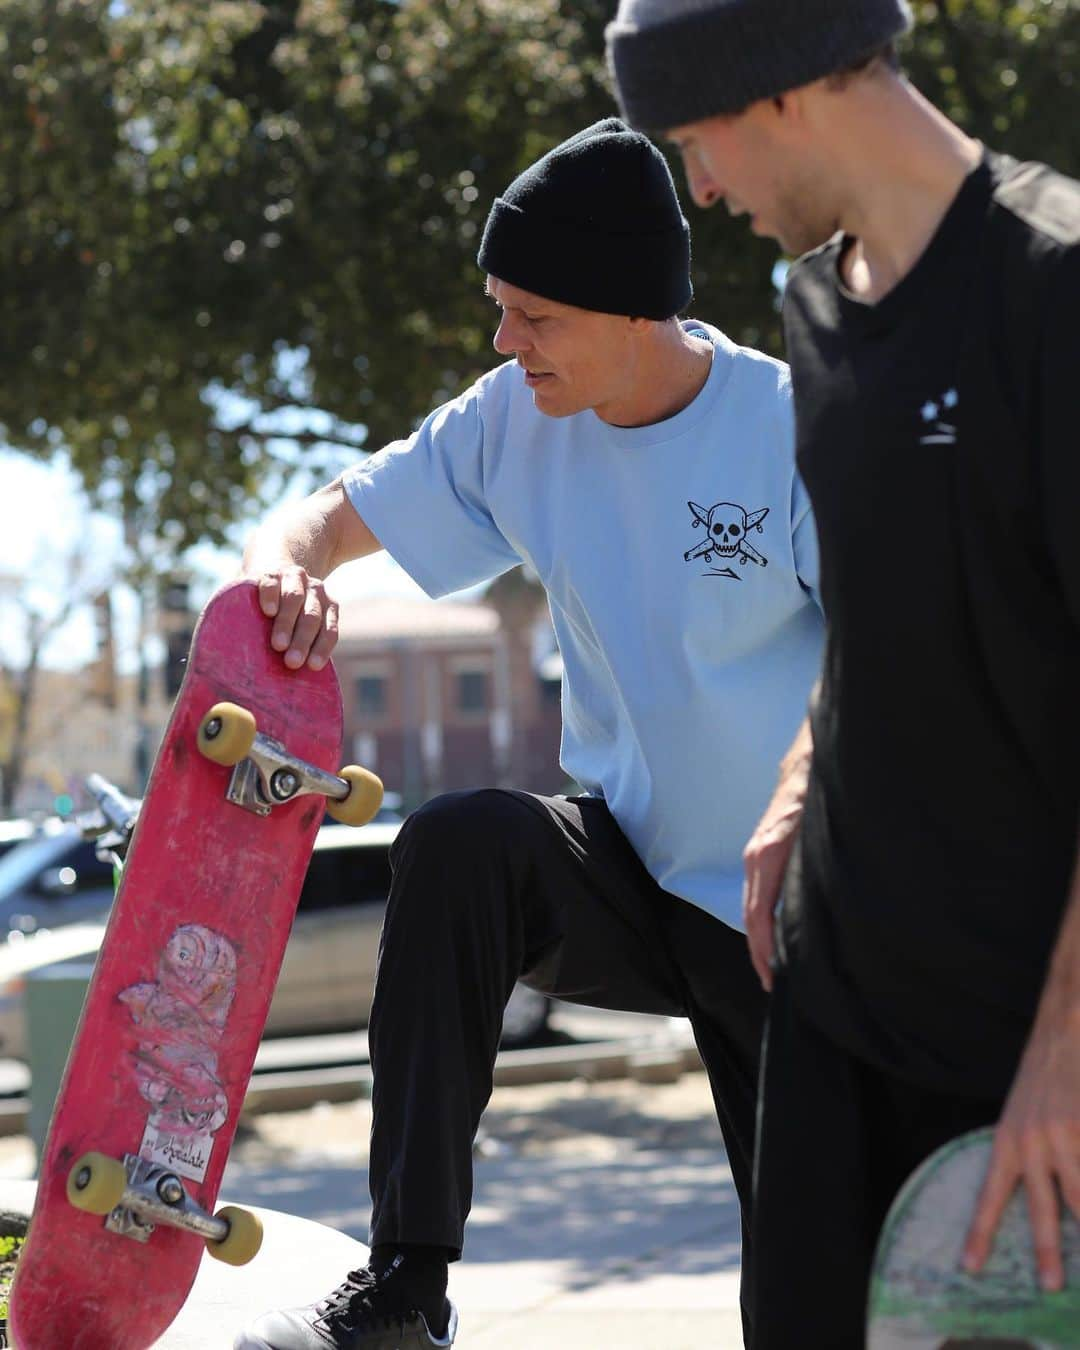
x: 595, y: 223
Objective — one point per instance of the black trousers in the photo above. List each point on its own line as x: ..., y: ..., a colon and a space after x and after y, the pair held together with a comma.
x: 836, y: 1140
x: 491, y: 886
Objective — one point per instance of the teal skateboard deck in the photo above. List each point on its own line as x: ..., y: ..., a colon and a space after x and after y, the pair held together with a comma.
x: 921, y: 1298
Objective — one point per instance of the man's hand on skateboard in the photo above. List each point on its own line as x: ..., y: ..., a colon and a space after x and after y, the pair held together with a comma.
x: 1037, y: 1143
x: 288, y: 560
x: 305, y: 616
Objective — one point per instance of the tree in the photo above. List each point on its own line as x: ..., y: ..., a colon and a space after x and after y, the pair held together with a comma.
x: 228, y: 223
x: 31, y: 620
x: 1008, y: 71
x: 238, y: 240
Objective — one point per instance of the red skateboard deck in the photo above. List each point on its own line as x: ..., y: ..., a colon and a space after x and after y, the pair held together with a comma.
x: 177, y: 1004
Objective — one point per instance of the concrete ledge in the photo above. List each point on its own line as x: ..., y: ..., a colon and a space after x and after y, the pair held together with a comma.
x: 608, y: 1059
x: 644, y: 1058
x: 637, y: 1057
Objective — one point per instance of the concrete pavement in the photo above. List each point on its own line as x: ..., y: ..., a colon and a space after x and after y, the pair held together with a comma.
x: 603, y: 1215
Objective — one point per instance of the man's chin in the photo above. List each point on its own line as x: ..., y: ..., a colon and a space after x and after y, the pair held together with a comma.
x: 550, y: 406
x: 800, y: 238
x: 764, y: 230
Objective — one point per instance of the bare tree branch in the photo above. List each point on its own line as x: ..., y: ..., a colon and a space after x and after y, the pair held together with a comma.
x: 38, y: 627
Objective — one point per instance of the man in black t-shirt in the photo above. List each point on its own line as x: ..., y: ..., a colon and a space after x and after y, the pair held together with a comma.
x: 925, y: 959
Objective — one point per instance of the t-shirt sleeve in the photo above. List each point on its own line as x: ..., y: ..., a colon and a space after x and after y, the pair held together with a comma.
x: 424, y: 500
x: 804, y: 541
x: 1058, y: 425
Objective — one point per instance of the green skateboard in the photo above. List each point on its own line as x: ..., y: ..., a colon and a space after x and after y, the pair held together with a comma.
x: 921, y: 1299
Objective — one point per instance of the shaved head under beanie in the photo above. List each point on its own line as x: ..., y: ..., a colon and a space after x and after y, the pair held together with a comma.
x: 595, y: 223
x: 681, y: 61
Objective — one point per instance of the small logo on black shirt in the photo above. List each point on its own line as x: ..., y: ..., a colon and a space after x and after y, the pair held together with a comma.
x: 933, y: 413
x: 726, y: 524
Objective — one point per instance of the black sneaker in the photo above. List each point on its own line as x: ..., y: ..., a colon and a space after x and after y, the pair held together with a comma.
x: 367, y: 1312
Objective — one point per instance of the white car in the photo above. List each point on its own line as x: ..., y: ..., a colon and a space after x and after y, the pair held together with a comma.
x: 328, y: 975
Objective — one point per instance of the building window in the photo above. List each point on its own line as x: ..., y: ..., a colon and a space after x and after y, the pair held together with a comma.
x: 371, y: 695
x: 472, y: 691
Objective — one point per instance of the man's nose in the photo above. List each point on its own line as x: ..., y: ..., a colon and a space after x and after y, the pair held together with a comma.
x: 700, y: 182
x: 508, y: 337
x: 702, y: 189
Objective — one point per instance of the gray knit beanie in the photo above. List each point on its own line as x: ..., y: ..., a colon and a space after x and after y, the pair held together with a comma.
x: 680, y: 61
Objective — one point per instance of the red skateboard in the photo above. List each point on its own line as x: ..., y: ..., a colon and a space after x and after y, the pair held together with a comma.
x: 173, y: 1017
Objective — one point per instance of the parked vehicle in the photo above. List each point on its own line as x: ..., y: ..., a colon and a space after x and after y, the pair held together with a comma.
x: 53, y: 878
x: 57, y: 913
x: 18, y: 831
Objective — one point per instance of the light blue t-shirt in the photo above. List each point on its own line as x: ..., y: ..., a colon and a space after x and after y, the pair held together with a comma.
x: 680, y: 563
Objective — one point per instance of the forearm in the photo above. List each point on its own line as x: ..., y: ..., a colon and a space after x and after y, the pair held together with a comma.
x: 1059, y: 1007
x: 786, y: 807
x: 297, y: 539
x: 795, y: 766
x: 318, y: 534
x: 767, y: 853
x: 1037, y: 1141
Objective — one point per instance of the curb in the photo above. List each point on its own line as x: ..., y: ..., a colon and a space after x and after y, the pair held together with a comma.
x: 644, y: 1059
x: 640, y: 1059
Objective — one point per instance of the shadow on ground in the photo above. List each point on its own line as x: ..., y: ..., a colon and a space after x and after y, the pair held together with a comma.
x: 602, y: 1188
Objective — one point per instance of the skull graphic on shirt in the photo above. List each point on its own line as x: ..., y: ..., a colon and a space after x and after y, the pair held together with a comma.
x: 727, y: 525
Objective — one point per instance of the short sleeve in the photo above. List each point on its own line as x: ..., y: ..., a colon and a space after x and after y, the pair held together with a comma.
x: 804, y: 541
x: 424, y: 500
x: 1058, y: 425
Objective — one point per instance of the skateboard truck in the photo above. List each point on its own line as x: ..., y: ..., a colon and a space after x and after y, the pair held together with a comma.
x: 265, y: 775
x: 137, y: 1195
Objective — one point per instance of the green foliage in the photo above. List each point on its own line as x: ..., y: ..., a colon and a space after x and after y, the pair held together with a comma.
x: 1007, y: 71
x: 10, y: 1247
x: 282, y: 202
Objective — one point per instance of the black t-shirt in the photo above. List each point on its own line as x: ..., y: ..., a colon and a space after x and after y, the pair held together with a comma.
x: 939, y: 438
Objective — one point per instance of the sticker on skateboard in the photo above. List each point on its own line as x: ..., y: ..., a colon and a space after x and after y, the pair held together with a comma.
x: 180, y: 1019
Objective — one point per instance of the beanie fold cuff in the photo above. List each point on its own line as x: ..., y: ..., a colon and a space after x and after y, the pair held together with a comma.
x: 558, y: 261
x: 716, y: 59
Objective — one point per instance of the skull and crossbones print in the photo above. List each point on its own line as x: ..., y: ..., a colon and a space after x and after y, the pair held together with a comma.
x: 726, y: 526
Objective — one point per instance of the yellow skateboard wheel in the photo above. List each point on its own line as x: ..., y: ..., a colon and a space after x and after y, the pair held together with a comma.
x: 243, y: 1239
x: 226, y: 733
x: 96, y: 1183
x: 364, y: 799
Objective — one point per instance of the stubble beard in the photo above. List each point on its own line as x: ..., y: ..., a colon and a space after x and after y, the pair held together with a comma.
x: 804, y: 223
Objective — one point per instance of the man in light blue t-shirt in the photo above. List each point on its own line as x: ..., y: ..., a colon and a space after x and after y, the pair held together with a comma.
x: 643, y: 466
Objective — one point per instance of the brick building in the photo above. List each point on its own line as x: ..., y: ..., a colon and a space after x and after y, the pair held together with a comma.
x: 452, y: 694
x: 436, y: 696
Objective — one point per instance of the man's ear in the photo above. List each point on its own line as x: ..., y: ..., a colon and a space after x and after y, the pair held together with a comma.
x: 788, y: 105
x: 788, y: 112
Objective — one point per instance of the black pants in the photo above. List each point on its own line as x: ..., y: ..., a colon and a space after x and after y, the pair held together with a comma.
x: 836, y: 1140
x: 490, y: 886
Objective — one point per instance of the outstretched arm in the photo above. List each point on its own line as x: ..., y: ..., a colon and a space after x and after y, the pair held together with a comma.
x: 290, y: 558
